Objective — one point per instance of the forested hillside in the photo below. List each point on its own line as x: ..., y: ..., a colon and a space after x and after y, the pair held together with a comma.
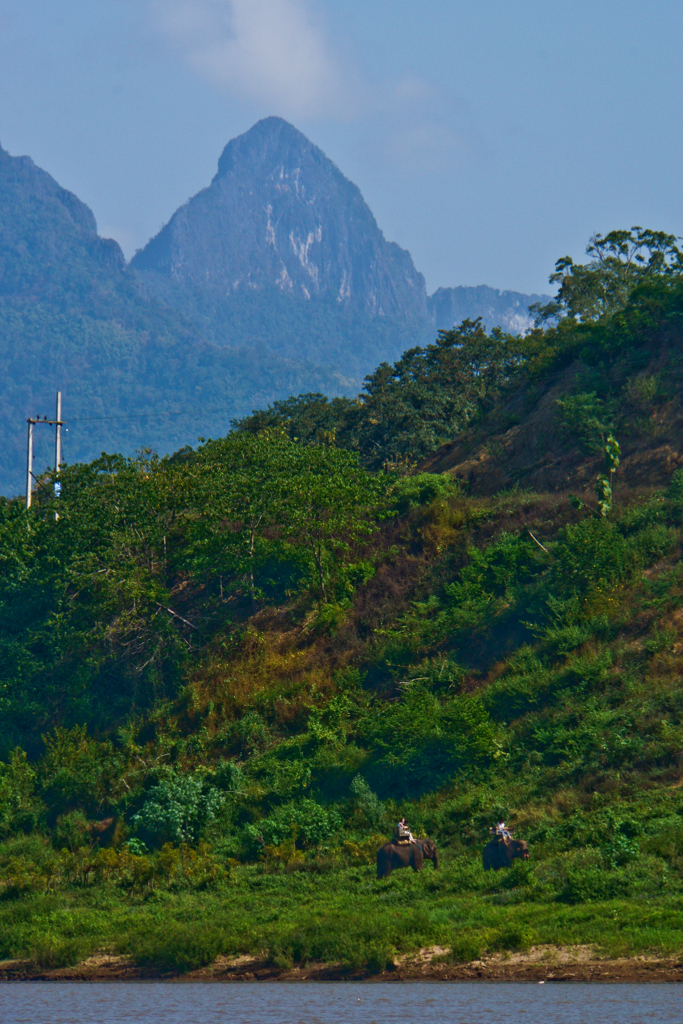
x: 227, y: 672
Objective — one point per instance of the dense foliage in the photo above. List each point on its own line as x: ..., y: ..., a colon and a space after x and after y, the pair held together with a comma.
x: 406, y: 410
x: 620, y: 261
x: 88, y: 634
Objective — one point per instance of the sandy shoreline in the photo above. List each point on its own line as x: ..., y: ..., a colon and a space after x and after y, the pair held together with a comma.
x: 539, y: 964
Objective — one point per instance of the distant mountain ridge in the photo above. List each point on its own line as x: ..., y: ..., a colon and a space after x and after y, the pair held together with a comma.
x: 44, y: 227
x: 280, y: 217
x: 504, y: 309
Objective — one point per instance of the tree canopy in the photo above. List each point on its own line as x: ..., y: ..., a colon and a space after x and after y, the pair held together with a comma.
x: 620, y: 260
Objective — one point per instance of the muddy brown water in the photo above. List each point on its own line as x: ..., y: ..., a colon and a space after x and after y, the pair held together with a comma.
x: 338, y: 1003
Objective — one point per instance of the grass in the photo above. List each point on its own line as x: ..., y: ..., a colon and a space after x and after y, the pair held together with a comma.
x: 343, y: 916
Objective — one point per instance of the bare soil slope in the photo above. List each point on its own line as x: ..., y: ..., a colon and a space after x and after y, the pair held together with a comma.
x: 523, y: 442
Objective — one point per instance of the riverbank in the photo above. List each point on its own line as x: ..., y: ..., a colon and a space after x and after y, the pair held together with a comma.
x: 540, y: 964
x: 458, y: 922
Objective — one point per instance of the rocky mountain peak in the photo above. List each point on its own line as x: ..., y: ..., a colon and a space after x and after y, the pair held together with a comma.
x: 272, y: 146
x: 280, y: 214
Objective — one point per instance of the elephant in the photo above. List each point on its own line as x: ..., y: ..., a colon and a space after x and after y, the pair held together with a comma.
x: 498, y: 854
x: 391, y: 856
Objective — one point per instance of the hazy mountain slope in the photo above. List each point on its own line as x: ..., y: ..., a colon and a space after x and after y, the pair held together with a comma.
x: 317, y: 330
x: 282, y: 250
x: 49, y: 246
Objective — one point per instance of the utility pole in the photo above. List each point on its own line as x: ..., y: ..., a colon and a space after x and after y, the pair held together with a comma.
x: 29, y: 463
x: 58, y: 449
x: 57, y: 423
x: 58, y: 439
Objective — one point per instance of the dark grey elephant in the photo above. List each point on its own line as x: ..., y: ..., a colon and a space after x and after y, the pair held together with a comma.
x: 498, y: 854
x: 392, y: 856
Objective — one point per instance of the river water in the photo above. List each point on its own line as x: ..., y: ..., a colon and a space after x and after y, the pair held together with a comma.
x: 338, y: 1003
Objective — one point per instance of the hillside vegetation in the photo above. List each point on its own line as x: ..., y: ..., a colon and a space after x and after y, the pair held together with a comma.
x: 227, y: 672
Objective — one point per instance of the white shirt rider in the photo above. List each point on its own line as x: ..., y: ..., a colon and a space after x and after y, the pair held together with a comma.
x: 403, y: 832
x: 503, y: 831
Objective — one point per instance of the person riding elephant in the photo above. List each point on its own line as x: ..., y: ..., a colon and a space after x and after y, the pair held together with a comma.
x: 405, y: 855
x: 500, y: 853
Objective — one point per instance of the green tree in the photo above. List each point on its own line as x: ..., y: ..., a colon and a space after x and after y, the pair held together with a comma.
x: 407, y: 409
x: 619, y: 262
x: 84, y: 621
x: 333, y: 506
x: 311, y: 418
x: 430, y: 394
x: 241, y: 488
x: 254, y: 490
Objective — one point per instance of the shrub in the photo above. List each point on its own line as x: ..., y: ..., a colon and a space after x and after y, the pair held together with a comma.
x: 305, y: 823
x: 591, y: 557
x: 466, y: 949
x: 330, y: 617
x: 422, y: 740
x: 364, y: 851
x: 586, y: 419
x: 78, y: 772
x: 71, y: 830
x: 369, y: 943
x: 179, y: 810
x: 674, y: 496
x: 494, y: 570
x: 53, y: 951
x: 367, y: 804
x: 583, y: 886
x: 20, y: 809
x: 421, y: 489
x: 512, y: 938
x: 187, y: 867
x: 229, y: 775
x: 27, y: 864
x: 652, y: 543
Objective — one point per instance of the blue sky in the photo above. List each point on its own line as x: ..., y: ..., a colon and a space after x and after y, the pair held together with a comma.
x: 488, y: 138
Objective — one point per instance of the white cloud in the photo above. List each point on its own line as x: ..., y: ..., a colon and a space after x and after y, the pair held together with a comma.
x: 277, y: 54
x: 265, y: 50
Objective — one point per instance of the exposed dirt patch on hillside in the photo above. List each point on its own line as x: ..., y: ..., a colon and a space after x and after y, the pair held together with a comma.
x: 523, y: 443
